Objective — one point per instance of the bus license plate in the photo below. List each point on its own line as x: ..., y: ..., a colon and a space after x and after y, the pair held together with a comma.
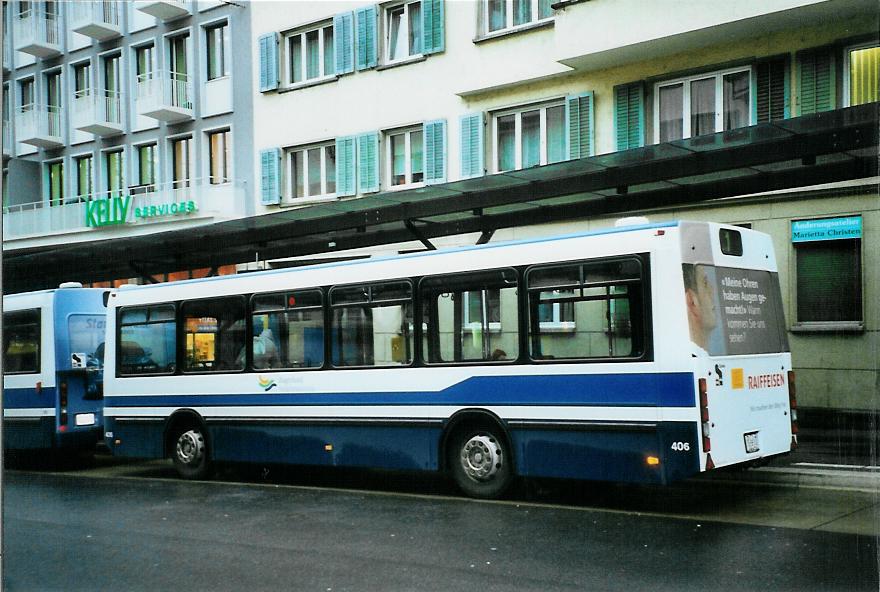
x: 751, y: 441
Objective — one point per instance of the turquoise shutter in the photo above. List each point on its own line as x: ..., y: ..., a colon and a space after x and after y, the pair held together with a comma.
x: 268, y: 61
x: 343, y: 42
x: 816, y: 81
x: 435, y: 151
x: 629, y: 115
x: 368, y: 162
x: 345, y: 181
x: 770, y: 79
x: 432, y: 26
x: 472, y: 150
x: 366, y: 48
x: 270, y: 178
x: 579, y: 125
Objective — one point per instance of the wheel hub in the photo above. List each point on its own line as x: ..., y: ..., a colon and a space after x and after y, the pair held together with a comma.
x: 481, y: 458
x: 190, y: 447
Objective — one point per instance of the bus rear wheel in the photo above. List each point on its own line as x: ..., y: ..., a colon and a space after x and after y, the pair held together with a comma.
x: 480, y: 462
x: 190, y: 453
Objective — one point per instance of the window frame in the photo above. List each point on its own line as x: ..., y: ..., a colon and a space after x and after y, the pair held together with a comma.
x: 29, y: 82
x: 220, y: 33
x: 287, y: 55
x: 118, y: 336
x: 387, y: 11
x: 518, y: 112
x: 686, y: 81
x: 226, y: 156
x: 49, y: 166
x: 251, y: 312
x: 847, y: 77
x: 290, y: 178
x: 39, y: 353
x: 182, y: 334
x: 149, y: 186
x: 76, y: 159
x: 406, y: 132
x: 535, y: 21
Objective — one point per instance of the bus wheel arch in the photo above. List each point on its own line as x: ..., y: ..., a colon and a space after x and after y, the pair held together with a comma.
x: 477, y: 452
x: 188, y: 444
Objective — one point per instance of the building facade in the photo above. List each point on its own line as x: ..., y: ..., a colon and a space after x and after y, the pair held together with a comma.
x: 123, y: 118
x: 357, y: 99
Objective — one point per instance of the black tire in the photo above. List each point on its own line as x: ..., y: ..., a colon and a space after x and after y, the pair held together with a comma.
x: 189, y: 450
x: 480, y: 461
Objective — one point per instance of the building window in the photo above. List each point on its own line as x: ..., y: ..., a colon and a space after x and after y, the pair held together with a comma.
x: 82, y: 83
x: 114, y: 168
x: 111, y: 88
x: 529, y: 137
x: 84, y: 186
x: 404, y: 156
x: 312, y: 171
x: 217, y: 54
x: 703, y: 104
x: 863, y: 73
x: 310, y: 54
x: 499, y: 15
x: 218, y: 157
x: 56, y: 183
x: 180, y: 163
x: 143, y: 59
x: 53, y: 102
x: 26, y: 91
x: 403, y: 31
x: 146, y: 163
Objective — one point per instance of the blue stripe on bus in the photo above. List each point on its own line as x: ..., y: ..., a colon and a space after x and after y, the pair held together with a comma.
x: 27, y: 398
x: 649, y: 389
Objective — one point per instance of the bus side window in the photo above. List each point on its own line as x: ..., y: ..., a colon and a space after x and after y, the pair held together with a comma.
x: 146, y: 340
x: 288, y: 330
x: 21, y: 342
x: 214, y: 332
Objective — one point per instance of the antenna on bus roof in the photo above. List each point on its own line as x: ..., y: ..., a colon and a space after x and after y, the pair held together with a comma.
x: 631, y: 221
x: 66, y: 285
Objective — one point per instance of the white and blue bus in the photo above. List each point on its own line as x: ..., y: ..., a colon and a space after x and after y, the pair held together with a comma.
x: 53, y: 343
x: 646, y: 353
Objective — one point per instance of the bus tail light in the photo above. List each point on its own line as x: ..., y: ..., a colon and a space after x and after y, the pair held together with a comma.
x: 704, y: 414
x: 62, y: 403
x: 792, y: 404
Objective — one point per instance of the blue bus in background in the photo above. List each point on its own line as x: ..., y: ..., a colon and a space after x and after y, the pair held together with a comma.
x: 53, y: 358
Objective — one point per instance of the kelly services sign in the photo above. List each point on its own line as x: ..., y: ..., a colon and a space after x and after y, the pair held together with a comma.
x: 826, y: 229
x: 117, y: 210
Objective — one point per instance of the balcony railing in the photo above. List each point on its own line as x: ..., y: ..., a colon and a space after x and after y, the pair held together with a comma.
x: 98, y: 19
x: 164, y: 10
x: 37, y: 32
x: 166, y: 96
x: 138, y: 206
x: 98, y: 113
x: 39, y: 125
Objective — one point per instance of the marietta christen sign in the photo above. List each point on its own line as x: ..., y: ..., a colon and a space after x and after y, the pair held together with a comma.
x: 118, y: 210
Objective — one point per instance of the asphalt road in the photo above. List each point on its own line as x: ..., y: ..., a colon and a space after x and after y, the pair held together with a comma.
x: 134, y: 527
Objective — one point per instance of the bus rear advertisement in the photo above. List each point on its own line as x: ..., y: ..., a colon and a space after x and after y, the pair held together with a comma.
x: 642, y: 353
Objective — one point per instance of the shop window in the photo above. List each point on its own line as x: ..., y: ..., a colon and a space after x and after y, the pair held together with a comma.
x: 288, y: 330
x: 829, y: 281
x: 21, y: 342
x: 145, y: 340
x: 372, y: 324
x: 470, y: 317
x: 215, y: 334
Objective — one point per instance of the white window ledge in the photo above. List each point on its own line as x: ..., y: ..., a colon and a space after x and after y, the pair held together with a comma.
x: 308, y: 83
x: 829, y: 327
x: 514, y: 30
x: 403, y: 62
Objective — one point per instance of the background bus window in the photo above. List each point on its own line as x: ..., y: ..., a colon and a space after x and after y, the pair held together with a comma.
x: 372, y: 325
x: 215, y: 334
x: 146, y: 343
x: 87, y: 336
x: 21, y: 342
x: 471, y: 317
x: 288, y: 330
x: 594, y: 302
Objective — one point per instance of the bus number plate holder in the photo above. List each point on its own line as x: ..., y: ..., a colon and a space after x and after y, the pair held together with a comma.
x: 751, y: 440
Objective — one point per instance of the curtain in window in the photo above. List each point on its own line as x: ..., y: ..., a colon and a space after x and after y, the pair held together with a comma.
x: 414, y: 11
x: 330, y: 168
x: 56, y: 184
x: 329, y: 56
x: 671, y: 113
x: 416, y: 146
x: 312, y: 54
x: 297, y: 174
x: 506, y: 143
x: 84, y: 177
x: 555, y: 134
x: 736, y: 100
x: 864, y: 75
x: 144, y: 63
x: 497, y: 16
x: 219, y: 157
x: 216, y: 52
x: 180, y: 163
x: 396, y: 38
x: 522, y: 11
x: 703, y: 107
x: 531, y: 139
x: 146, y: 166
x: 314, y: 158
x: 115, y: 182
x: 296, y: 57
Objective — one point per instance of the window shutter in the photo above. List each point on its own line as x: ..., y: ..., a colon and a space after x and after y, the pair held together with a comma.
x: 772, y: 89
x: 345, y: 181
x: 629, y: 115
x: 366, y: 49
x: 433, y: 16
x: 343, y: 42
x: 268, y: 61
x: 472, y: 151
x: 270, y: 179
x: 368, y: 162
x: 579, y: 124
x: 435, y: 151
x: 816, y: 75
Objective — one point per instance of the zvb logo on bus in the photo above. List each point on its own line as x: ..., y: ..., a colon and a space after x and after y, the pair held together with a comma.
x: 266, y: 384
x: 738, y: 380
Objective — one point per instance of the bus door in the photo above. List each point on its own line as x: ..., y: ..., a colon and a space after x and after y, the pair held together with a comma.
x: 741, y: 361
x: 80, y: 376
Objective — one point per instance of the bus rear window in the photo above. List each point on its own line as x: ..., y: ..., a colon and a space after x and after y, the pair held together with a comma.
x: 87, y: 337
x: 734, y: 311
x: 21, y: 342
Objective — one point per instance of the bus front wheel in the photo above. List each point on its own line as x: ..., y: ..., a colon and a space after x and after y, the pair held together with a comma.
x: 190, y: 453
x: 480, y: 462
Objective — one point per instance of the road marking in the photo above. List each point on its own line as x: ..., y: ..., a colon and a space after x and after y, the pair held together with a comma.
x: 833, y: 466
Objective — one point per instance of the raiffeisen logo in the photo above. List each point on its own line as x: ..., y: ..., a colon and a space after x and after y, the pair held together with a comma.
x: 266, y: 384
x: 766, y: 381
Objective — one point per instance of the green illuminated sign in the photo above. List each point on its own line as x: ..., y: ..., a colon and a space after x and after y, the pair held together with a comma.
x: 115, y: 210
